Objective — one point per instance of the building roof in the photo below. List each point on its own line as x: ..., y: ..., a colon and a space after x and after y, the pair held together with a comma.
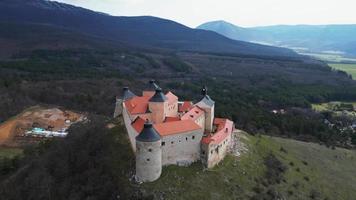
x: 137, y: 105
x: 176, y: 127
x: 224, y: 129
x: 171, y: 119
x: 127, y: 94
x: 138, y: 123
x: 193, y: 114
x: 148, y: 134
x: 185, y: 106
x: 158, y: 96
x: 171, y: 97
x: 206, y: 101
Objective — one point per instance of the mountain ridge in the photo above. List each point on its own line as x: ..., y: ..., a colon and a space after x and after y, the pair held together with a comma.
x: 145, y: 31
x: 314, y: 38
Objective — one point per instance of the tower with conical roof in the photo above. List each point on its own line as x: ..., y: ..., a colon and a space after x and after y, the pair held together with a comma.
x: 126, y: 94
x: 208, y: 105
x: 148, y: 154
x: 150, y: 89
x: 158, y: 106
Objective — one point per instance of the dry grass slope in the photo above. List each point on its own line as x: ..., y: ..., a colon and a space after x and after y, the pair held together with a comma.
x: 313, y: 171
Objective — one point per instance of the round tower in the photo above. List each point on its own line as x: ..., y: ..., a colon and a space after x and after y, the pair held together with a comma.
x: 148, y: 154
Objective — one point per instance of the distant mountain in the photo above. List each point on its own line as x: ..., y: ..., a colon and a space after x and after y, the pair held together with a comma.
x: 144, y: 31
x: 310, y: 38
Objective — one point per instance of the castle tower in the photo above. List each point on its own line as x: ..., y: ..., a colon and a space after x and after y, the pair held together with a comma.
x: 208, y: 105
x: 126, y: 94
x: 148, y: 154
x: 150, y: 90
x: 158, y: 105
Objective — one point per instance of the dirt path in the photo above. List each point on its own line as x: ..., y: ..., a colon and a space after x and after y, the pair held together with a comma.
x: 6, y: 130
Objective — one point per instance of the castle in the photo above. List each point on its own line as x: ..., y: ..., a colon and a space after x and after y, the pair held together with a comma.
x: 165, y: 131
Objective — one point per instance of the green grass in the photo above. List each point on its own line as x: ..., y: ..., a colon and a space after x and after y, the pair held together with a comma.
x: 9, y: 152
x: 329, y: 173
x: 349, y: 68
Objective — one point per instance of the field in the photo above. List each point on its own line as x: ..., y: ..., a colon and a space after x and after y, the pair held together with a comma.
x: 349, y: 68
x: 313, y: 171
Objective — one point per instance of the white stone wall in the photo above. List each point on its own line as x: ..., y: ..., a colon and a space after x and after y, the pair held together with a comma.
x: 148, y: 161
x: 172, y: 109
x: 214, y: 153
x: 118, y: 108
x: 201, y: 120
x: 181, y: 149
x: 132, y: 133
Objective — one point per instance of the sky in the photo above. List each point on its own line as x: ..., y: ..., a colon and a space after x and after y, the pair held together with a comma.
x: 246, y: 13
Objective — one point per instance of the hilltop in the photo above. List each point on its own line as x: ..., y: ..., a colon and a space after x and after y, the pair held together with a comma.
x: 269, y: 167
x: 142, y: 31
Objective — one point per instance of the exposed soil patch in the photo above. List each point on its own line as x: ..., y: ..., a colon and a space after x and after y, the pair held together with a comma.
x: 12, y: 132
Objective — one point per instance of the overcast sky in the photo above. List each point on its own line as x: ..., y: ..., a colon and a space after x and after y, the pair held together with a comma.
x: 245, y: 13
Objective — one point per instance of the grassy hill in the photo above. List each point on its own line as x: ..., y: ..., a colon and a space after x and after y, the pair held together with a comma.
x: 98, y: 164
x: 311, y: 171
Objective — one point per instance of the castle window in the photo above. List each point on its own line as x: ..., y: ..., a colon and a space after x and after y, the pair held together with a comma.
x: 211, y: 151
x: 150, y: 150
x: 148, y: 159
x: 193, y: 137
x: 163, y: 143
x: 186, y: 139
x: 172, y: 142
x: 203, y: 152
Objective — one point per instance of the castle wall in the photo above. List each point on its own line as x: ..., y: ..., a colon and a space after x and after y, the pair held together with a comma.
x: 158, y: 111
x: 181, y: 149
x: 172, y: 109
x: 201, y: 121
x: 209, y: 118
x: 118, y: 108
x: 132, y: 133
x: 212, y: 154
x: 148, y: 161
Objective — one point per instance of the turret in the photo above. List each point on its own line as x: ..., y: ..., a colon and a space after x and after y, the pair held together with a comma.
x: 208, y: 105
x: 126, y: 95
x: 148, y: 154
x: 158, y: 105
x: 150, y: 90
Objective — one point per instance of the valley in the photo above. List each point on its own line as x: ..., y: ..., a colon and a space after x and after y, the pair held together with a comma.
x: 63, y: 67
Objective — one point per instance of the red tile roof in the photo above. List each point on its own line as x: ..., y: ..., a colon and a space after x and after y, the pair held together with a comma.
x: 224, y: 129
x: 171, y: 97
x: 193, y: 113
x: 137, y: 105
x: 176, y: 127
x: 171, y: 119
x: 138, y: 123
x: 185, y: 106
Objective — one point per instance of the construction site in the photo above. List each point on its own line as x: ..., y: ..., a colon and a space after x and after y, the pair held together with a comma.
x: 36, y: 123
